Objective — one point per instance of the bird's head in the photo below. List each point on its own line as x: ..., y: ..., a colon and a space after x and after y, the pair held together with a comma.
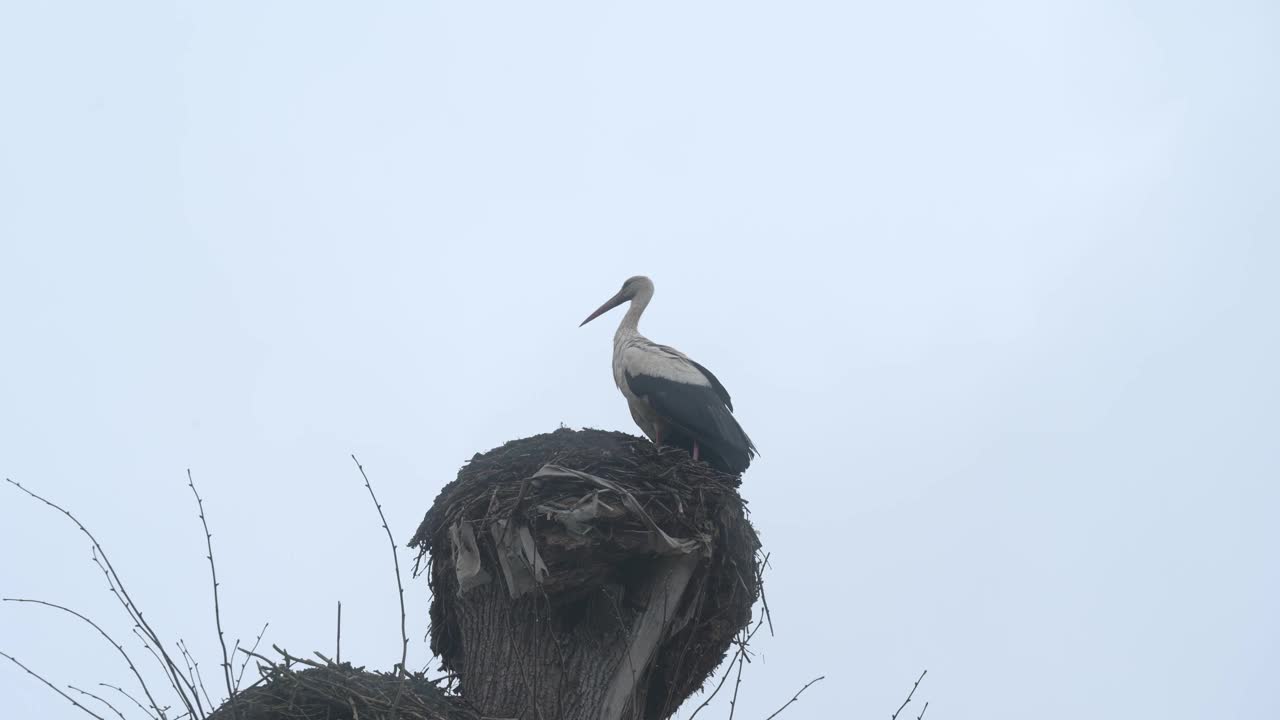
x: 631, y: 289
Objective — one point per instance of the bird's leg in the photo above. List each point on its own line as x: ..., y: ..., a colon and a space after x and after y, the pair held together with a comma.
x: 657, y: 434
x: 695, y: 450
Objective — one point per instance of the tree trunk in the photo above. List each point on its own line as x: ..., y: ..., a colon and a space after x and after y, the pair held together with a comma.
x: 525, y: 659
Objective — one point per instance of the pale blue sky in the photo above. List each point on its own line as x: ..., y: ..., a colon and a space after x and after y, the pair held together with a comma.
x: 994, y: 286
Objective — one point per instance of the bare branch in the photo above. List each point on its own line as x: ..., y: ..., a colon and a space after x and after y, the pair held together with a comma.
x: 797, y: 697
x: 141, y: 707
x: 764, y: 600
x: 733, y: 702
x: 119, y: 648
x: 99, y: 699
x: 404, y: 634
x: 253, y: 654
x: 53, y: 687
x: 181, y: 684
x: 742, y: 649
x: 117, y: 588
x: 294, y: 658
x: 913, y: 692
x: 248, y: 654
x: 922, y: 711
x: 217, y: 611
x: 193, y: 670
x: 175, y: 673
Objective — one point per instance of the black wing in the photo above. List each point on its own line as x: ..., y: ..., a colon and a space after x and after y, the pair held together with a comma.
x: 697, y: 412
x: 715, y: 381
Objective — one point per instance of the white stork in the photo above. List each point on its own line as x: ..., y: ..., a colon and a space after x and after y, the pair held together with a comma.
x: 673, y: 399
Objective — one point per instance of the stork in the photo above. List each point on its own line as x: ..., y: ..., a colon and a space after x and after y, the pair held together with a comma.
x: 673, y: 399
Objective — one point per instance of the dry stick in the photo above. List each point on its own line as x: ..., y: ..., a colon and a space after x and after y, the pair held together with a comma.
x: 712, y: 696
x: 404, y: 634
x: 922, y: 711
x: 760, y: 584
x: 742, y: 660
x: 741, y: 649
x: 338, y: 650
x: 733, y: 702
x: 217, y: 611
x: 191, y: 673
x: 135, y: 700
x: 113, y: 580
x: 250, y: 652
x: 797, y: 697
x: 55, y: 688
x: 119, y: 648
x: 913, y: 692
x: 295, y: 659
x: 99, y: 699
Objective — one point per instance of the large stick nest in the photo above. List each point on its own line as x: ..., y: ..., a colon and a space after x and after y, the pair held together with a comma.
x: 584, y: 535
x: 314, y: 691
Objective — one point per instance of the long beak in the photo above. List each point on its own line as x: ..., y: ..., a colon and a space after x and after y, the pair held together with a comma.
x: 609, y: 304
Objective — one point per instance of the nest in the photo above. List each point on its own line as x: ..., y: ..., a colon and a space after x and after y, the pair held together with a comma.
x: 329, y: 691
x: 563, y: 519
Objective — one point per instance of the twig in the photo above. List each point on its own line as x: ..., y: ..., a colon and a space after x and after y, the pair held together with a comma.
x: 99, y: 699
x: 119, y: 648
x: 913, y: 692
x: 922, y: 711
x: 217, y: 610
x: 338, y: 650
x: 121, y: 690
x: 404, y: 634
x: 53, y: 687
x: 797, y: 697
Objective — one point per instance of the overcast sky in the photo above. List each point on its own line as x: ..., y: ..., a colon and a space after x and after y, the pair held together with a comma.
x: 994, y: 286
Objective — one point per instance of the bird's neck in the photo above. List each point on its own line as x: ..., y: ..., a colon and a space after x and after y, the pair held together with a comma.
x: 630, y: 324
